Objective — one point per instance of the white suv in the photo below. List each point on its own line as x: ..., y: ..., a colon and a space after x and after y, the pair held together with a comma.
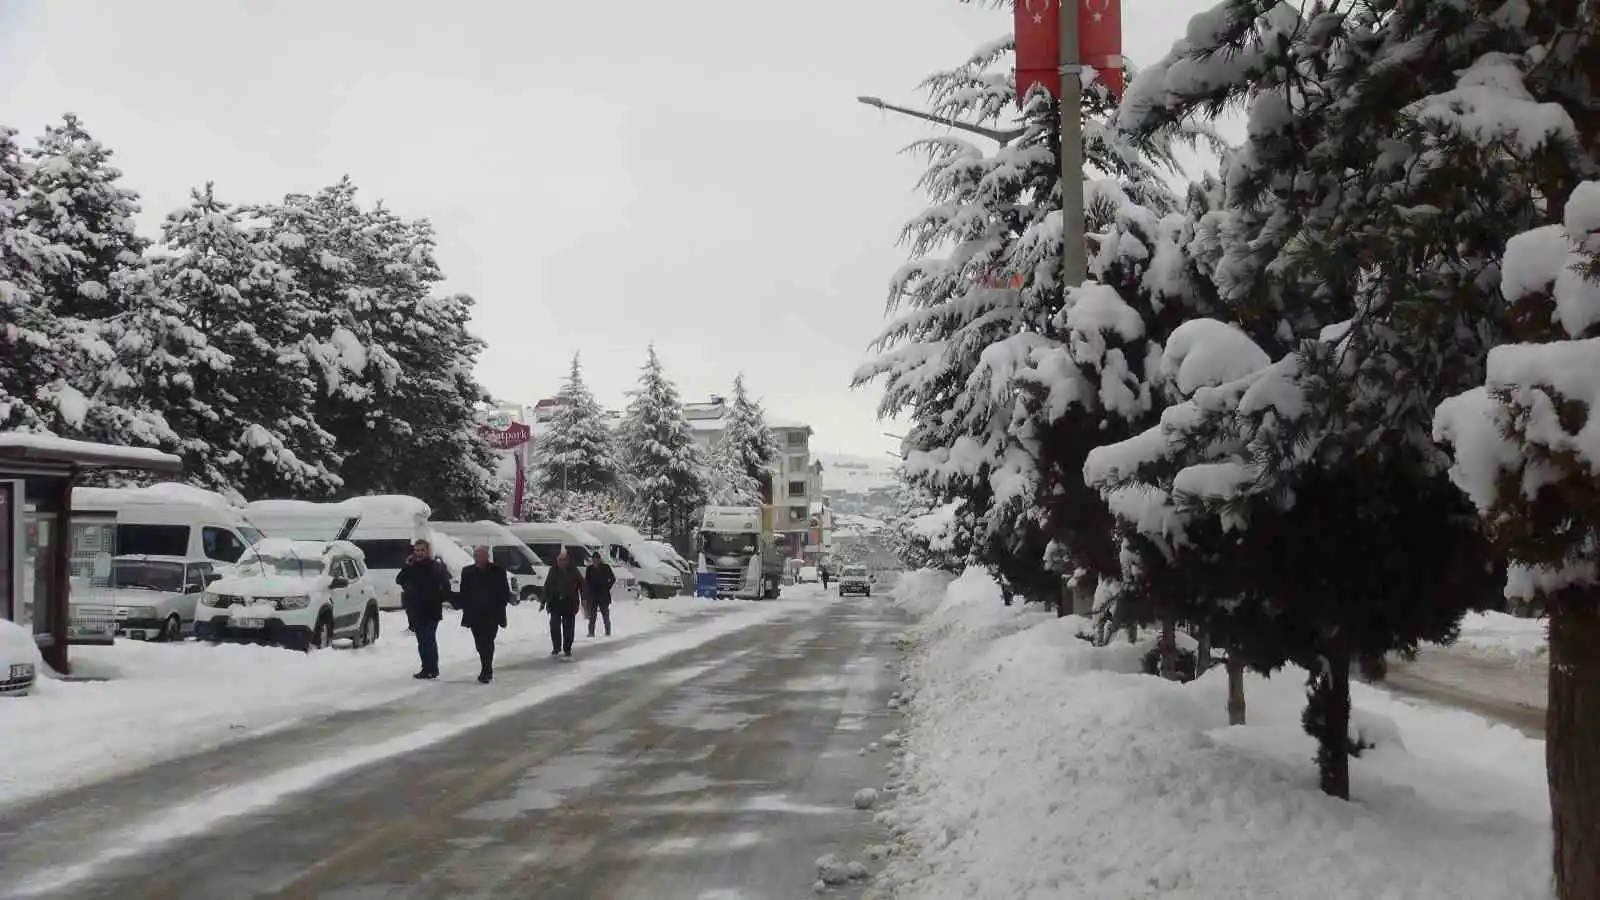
x: 297, y: 594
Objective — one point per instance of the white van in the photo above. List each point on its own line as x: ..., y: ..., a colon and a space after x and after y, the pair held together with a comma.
x: 657, y: 578
x: 548, y: 539
x: 171, y: 520
x: 383, y: 527
x: 526, y: 569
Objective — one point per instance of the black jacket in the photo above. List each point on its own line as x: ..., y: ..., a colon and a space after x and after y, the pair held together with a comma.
x: 485, y: 593
x: 563, y: 589
x: 598, y: 579
x: 424, y: 587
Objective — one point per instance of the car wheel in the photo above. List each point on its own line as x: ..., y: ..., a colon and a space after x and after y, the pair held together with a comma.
x: 173, y: 630
x: 322, y: 635
x: 367, y: 634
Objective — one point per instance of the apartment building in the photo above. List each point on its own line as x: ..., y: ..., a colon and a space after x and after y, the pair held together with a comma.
x: 793, y: 490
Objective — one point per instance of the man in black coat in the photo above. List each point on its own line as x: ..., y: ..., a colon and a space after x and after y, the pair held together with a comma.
x: 597, y: 580
x: 485, y: 593
x: 424, y: 586
x: 563, y: 593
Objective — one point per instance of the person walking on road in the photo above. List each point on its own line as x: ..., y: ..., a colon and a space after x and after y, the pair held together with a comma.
x: 424, y: 585
x: 597, y: 582
x: 563, y: 593
x: 823, y: 572
x: 485, y: 593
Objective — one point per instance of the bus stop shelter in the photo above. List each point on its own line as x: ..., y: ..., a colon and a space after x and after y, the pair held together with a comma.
x: 37, y: 473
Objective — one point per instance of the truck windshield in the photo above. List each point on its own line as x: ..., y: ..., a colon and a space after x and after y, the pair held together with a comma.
x: 717, y: 544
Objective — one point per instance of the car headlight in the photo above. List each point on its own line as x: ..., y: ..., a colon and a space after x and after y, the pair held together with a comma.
x: 136, y: 612
x: 208, y: 599
x: 298, y: 601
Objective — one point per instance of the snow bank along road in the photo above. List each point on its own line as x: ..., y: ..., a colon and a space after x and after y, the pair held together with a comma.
x: 715, y: 759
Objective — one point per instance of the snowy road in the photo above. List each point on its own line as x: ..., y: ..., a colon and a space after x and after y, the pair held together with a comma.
x: 712, y: 759
x: 1499, y: 687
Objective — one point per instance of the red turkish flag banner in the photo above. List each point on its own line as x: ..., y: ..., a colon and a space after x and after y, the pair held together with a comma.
x: 1100, y: 41
x: 1038, y: 40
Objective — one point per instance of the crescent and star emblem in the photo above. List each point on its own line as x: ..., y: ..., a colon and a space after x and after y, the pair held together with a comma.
x: 1038, y: 17
x: 1097, y: 8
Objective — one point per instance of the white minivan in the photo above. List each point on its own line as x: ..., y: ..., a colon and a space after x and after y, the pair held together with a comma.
x: 548, y: 539
x: 657, y: 577
x: 524, y: 567
x: 381, y: 526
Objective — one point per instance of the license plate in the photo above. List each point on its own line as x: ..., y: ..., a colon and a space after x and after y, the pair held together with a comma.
x: 22, y: 671
x: 248, y: 622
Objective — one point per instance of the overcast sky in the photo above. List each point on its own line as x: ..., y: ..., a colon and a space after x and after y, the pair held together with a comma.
x: 602, y: 174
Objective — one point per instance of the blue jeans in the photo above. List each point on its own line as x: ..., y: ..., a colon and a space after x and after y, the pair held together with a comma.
x: 427, y: 643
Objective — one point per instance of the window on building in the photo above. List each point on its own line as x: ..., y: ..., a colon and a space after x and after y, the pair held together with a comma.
x: 797, y: 514
x: 797, y: 488
x: 797, y: 463
x: 797, y: 438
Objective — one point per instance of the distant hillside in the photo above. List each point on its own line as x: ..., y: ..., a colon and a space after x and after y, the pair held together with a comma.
x: 844, y: 473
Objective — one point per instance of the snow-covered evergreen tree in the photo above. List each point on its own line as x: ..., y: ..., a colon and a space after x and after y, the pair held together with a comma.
x: 73, y: 199
x: 1527, y: 455
x: 392, y: 359
x: 749, y: 442
x: 30, y: 333
x: 727, y: 481
x: 660, y: 458
x: 1324, y: 458
x: 224, y: 370
x: 983, y: 352
x: 575, y: 452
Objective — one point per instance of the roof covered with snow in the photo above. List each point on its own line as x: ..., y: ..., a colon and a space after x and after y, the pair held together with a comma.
x: 44, y: 448
x: 163, y: 493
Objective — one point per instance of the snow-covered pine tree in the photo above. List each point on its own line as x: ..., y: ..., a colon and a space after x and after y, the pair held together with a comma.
x: 978, y: 341
x: 575, y: 454
x: 660, y: 457
x: 747, y: 439
x: 1339, y: 483
x: 393, y: 359
x: 727, y: 482
x: 73, y: 201
x: 223, y: 367
x: 30, y: 333
x: 1527, y: 456
x: 73, y: 198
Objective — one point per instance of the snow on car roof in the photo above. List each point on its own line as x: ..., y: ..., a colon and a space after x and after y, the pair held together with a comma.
x: 285, y: 548
x: 377, y: 506
x: 157, y: 557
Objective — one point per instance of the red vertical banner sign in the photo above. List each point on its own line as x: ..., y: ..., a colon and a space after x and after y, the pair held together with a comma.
x: 518, y: 489
x: 1100, y: 41
x: 1038, y: 40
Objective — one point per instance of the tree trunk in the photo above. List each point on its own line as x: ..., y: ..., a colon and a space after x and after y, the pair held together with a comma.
x: 1169, y: 650
x: 1572, y: 743
x: 1202, y: 653
x: 1235, y: 689
x: 1083, y: 595
x: 1063, y: 597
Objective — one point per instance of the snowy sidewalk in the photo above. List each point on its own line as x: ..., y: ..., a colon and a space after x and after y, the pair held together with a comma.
x: 1043, y: 767
x: 160, y: 701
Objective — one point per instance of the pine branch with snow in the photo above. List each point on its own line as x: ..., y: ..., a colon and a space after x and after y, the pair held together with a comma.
x: 575, y: 453
x: 660, y: 457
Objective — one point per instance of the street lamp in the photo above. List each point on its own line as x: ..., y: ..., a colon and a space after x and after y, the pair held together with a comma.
x: 994, y: 134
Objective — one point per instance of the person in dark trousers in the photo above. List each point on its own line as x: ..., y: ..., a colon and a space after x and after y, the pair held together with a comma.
x: 597, y: 581
x: 485, y: 593
x: 823, y: 571
x: 563, y: 592
x: 424, y: 586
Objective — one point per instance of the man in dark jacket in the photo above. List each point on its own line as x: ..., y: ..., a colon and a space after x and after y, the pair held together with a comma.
x: 597, y: 580
x: 424, y: 586
x: 485, y: 593
x: 563, y: 592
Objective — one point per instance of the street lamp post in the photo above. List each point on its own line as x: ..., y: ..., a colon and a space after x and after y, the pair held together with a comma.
x: 1001, y: 137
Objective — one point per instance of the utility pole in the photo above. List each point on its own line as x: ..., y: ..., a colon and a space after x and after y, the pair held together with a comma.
x: 1074, y: 253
